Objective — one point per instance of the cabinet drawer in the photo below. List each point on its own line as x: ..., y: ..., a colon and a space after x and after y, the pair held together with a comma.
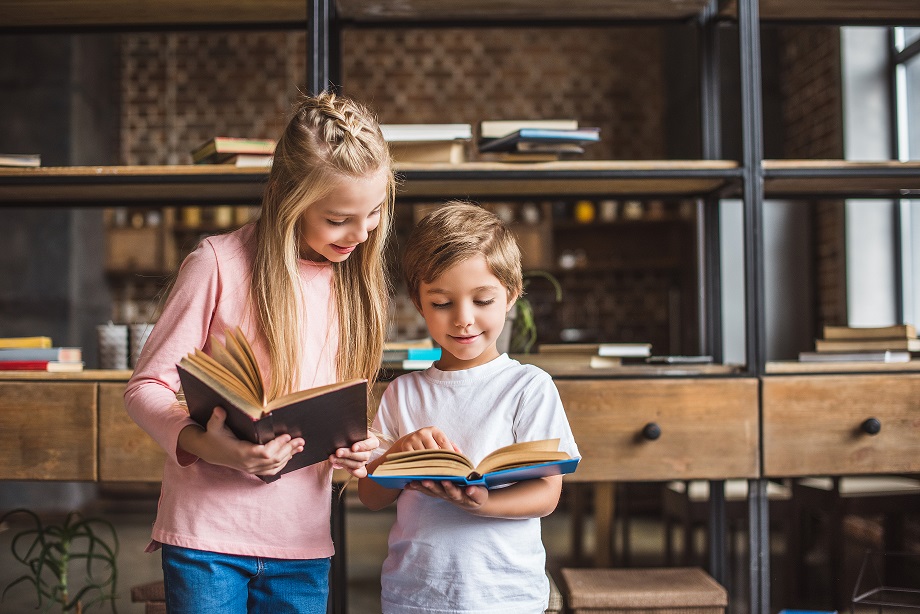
x: 812, y: 425
x: 48, y: 431
x: 708, y: 428
x: 126, y: 452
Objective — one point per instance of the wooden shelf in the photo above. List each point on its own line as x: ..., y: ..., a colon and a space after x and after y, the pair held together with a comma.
x: 113, y: 186
x: 227, y: 185
x: 889, y: 12
x: 646, y: 178
x: 840, y: 179
x: 521, y: 10
x: 124, y: 14
x: 791, y: 367
x: 90, y: 375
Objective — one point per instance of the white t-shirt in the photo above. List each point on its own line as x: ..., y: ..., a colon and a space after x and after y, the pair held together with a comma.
x: 441, y: 558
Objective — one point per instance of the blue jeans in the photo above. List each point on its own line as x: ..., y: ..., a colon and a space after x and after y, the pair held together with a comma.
x: 201, y: 582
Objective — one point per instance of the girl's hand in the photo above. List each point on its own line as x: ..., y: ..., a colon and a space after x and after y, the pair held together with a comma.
x: 469, y: 498
x: 355, y: 458
x: 219, y: 446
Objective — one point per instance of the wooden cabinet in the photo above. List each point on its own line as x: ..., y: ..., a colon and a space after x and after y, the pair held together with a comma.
x: 817, y: 425
x: 707, y: 428
x: 48, y: 431
x: 126, y: 452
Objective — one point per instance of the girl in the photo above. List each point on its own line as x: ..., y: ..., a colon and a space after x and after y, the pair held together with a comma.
x: 306, y: 284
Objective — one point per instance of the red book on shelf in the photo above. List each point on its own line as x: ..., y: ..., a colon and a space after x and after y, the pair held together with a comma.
x: 52, y: 366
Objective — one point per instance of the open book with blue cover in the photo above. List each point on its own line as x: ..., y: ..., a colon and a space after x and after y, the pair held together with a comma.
x: 514, y: 463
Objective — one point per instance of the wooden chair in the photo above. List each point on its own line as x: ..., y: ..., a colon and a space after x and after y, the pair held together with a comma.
x: 824, y: 503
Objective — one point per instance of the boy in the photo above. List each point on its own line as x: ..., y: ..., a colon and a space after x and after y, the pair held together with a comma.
x: 467, y: 549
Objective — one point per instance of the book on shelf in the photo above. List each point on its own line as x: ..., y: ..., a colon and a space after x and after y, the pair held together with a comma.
x: 20, y: 160
x: 408, y: 364
x: 516, y: 157
x: 425, y: 152
x: 61, y: 354
x: 887, y: 356
x: 896, y: 331
x: 679, y: 360
x: 25, y: 342
x: 327, y: 417
x: 497, y: 128
x: 859, y: 345
x: 428, y: 143
x: 404, y: 344
x: 50, y: 366
x: 220, y: 148
x: 621, y: 350
x: 513, y: 463
x: 250, y: 160
x: 510, y: 142
x: 416, y: 133
x: 394, y: 354
x: 563, y: 361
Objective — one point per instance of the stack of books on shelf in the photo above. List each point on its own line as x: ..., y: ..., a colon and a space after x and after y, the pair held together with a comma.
x: 428, y: 143
x: 534, y: 140
x: 38, y: 354
x: 20, y: 160
x: 587, y: 355
x: 864, y: 344
x: 236, y: 151
x: 411, y: 355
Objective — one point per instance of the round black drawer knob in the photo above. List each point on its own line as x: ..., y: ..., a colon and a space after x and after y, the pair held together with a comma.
x: 651, y: 431
x: 871, y: 426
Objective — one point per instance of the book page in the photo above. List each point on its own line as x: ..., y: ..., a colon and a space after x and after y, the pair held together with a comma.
x: 425, y: 462
x: 520, y: 454
x: 242, y: 352
x: 220, y: 375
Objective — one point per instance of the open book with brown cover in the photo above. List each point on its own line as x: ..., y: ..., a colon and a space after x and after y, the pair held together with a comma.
x: 327, y: 417
x: 513, y: 463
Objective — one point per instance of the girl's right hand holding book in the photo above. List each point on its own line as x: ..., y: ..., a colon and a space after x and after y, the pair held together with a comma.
x: 219, y: 446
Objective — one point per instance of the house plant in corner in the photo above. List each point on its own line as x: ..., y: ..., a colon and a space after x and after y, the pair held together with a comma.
x: 522, y: 323
x: 49, y: 551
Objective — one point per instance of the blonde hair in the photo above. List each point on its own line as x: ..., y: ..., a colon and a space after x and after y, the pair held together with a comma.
x: 329, y: 138
x: 454, y: 233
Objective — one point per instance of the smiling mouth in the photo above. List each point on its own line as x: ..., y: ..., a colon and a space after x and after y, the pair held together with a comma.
x: 343, y: 250
x: 465, y: 338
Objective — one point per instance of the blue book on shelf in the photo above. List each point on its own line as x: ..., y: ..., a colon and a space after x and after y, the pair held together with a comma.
x: 412, y: 354
x: 578, y: 136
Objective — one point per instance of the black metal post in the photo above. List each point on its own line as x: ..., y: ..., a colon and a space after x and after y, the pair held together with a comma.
x: 318, y: 18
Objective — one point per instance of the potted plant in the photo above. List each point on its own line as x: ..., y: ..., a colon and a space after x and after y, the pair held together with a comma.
x: 523, y: 324
x: 48, y: 552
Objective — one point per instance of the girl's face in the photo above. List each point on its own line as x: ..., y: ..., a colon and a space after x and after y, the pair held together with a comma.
x: 465, y: 311
x: 332, y: 227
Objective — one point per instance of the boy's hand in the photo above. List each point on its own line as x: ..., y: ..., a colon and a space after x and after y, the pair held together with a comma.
x: 428, y: 438
x: 354, y: 459
x: 468, y: 498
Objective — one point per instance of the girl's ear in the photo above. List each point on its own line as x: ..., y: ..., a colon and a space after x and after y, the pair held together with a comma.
x: 512, y: 299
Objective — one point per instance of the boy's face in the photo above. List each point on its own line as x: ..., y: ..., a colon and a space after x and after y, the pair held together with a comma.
x: 465, y: 311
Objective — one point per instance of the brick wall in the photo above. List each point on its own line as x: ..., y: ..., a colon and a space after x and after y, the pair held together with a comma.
x: 179, y: 89
x: 813, y: 119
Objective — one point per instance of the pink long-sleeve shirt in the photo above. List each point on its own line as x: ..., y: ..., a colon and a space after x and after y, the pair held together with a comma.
x: 215, y: 508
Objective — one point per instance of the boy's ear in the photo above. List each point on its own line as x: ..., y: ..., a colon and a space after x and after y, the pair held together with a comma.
x: 512, y: 299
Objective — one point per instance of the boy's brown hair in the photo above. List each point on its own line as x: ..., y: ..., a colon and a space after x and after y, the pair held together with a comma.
x: 454, y: 233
